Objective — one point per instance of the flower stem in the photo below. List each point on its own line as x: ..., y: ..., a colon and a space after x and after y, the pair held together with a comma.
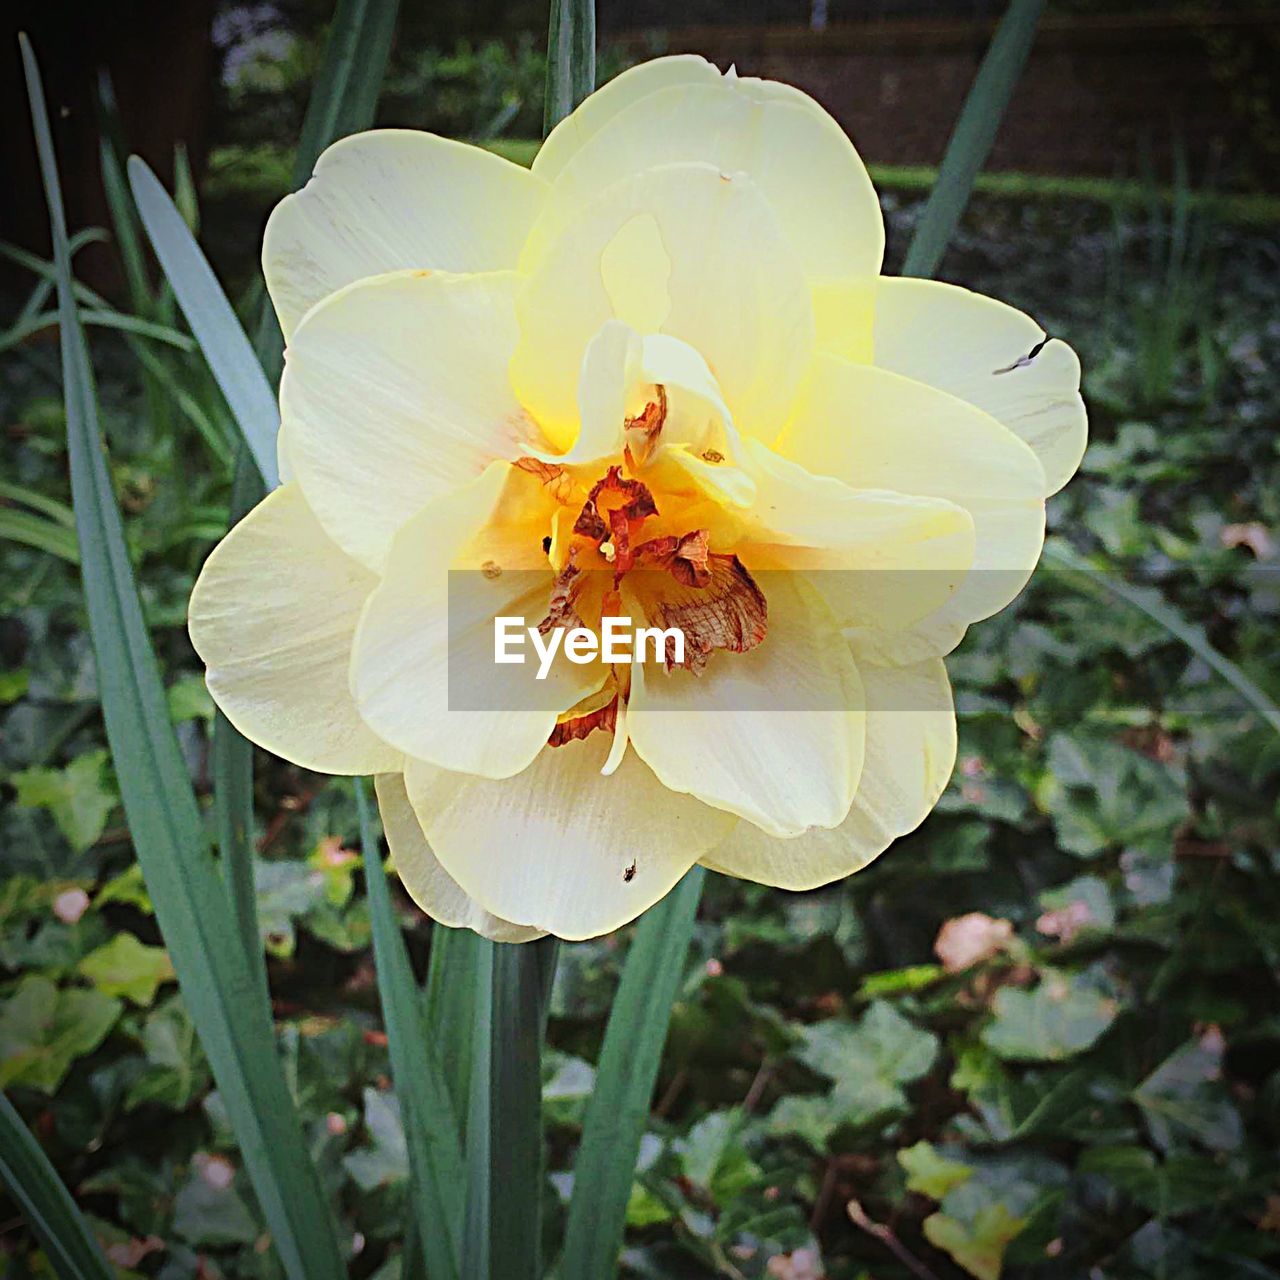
x: 504, y: 1120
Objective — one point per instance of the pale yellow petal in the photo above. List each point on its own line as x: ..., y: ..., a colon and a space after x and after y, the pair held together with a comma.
x: 982, y: 351
x: 876, y: 429
x: 423, y: 670
x: 879, y: 559
x: 272, y: 616
x: 560, y: 847
x: 773, y: 735
x: 389, y: 200
x: 620, y: 93
x: 733, y: 291
x: 796, y: 155
x: 910, y: 752
x: 425, y: 880
x: 844, y: 317
x: 395, y: 391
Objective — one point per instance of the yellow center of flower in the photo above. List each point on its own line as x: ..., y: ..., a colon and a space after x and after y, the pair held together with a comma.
x: 619, y: 550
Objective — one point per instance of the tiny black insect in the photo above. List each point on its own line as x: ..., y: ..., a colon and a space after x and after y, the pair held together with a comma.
x: 1023, y: 361
x: 546, y: 544
x: 630, y: 873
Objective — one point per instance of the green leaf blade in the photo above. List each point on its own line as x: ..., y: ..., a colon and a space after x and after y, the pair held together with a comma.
x: 219, y: 333
x: 438, y: 1178
x: 34, y: 1184
x: 973, y: 136
x: 165, y: 823
x: 619, y: 1106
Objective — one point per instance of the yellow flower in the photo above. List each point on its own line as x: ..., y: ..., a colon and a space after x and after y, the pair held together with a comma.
x: 658, y: 377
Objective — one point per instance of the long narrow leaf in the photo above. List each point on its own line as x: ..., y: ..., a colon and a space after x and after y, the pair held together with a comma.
x: 571, y: 58
x: 346, y: 90
x: 46, y: 1204
x: 103, y: 319
x: 438, y: 1179
x: 165, y: 823
x: 972, y: 138
x: 479, y: 1144
x: 222, y: 339
x: 450, y: 986
x: 40, y: 533
x: 619, y: 1105
x: 521, y: 982
x: 1083, y: 576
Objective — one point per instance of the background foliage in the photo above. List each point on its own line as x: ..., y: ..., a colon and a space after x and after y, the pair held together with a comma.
x: 1039, y: 1036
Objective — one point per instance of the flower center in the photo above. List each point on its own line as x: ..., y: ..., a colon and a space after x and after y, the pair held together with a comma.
x: 621, y: 551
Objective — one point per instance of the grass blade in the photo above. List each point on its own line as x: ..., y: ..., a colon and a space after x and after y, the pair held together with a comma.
x: 346, y: 90
x: 438, y: 1178
x: 164, y: 821
x: 39, y: 533
x: 46, y: 1204
x: 1091, y: 580
x: 619, y: 1104
x: 222, y: 339
x: 973, y: 135
x: 571, y: 58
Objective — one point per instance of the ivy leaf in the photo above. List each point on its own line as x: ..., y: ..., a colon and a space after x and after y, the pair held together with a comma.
x: 287, y: 890
x: 176, y: 1073
x: 1063, y: 1016
x: 189, y: 699
x: 931, y: 1173
x: 1102, y: 795
x: 79, y: 797
x: 126, y: 967
x: 1180, y: 1184
x: 208, y: 1210
x: 386, y: 1160
x: 129, y: 888
x: 714, y: 1158
x: 44, y: 1030
x: 869, y: 1062
x: 978, y: 1246
x: 1184, y: 1097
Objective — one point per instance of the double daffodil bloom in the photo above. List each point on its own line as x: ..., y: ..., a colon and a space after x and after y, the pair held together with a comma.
x: 657, y: 376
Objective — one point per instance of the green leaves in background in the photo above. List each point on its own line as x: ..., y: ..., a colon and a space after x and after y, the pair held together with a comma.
x: 345, y: 94
x: 166, y: 827
x: 1083, y: 576
x: 126, y: 967
x: 869, y: 1063
x: 79, y: 797
x: 1064, y: 1015
x: 43, y: 1030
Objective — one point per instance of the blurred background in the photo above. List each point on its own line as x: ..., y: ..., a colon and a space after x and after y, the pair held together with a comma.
x: 1041, y: 1036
